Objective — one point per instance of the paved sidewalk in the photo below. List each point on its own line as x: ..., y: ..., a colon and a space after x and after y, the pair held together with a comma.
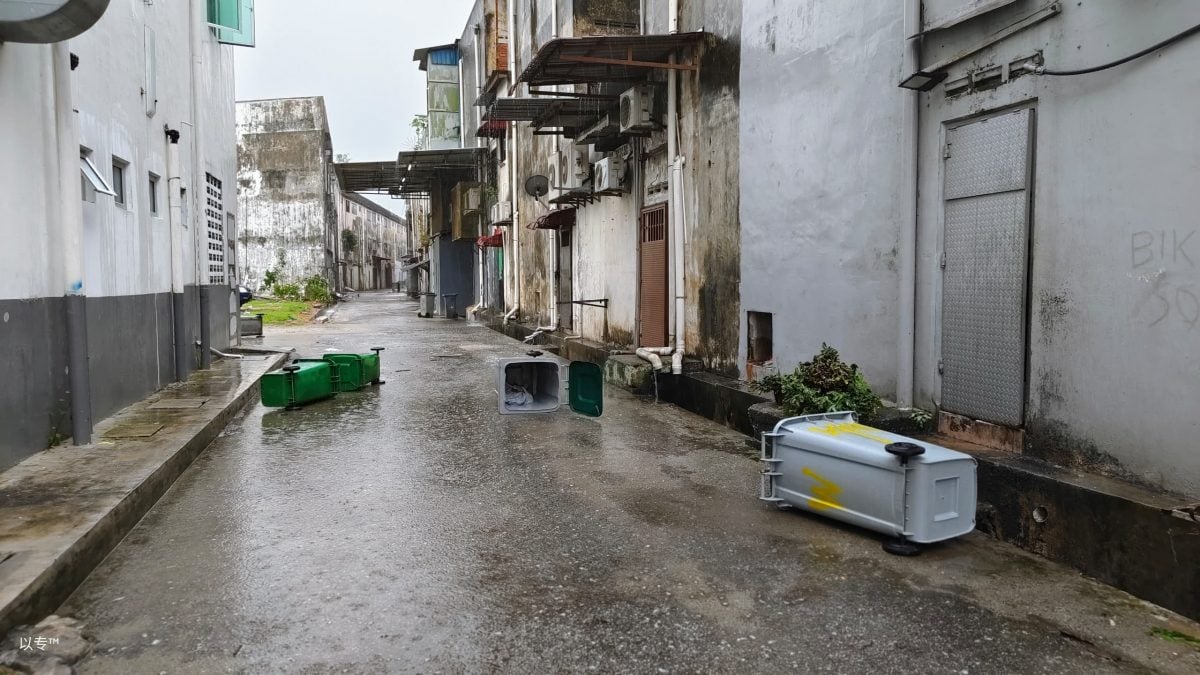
x: 63, y: 510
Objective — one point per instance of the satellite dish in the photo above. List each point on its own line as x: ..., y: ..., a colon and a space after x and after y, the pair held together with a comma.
x: 537, y: 186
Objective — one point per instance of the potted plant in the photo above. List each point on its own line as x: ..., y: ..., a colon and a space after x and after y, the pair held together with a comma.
x: 770, y: 384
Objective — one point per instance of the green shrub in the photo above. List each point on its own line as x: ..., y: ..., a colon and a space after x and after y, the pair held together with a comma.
x: 825, y: 384
x: 288, y: 292
x: 316, y: 289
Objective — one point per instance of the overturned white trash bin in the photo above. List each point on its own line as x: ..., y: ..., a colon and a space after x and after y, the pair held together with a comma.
x: 831, y: 465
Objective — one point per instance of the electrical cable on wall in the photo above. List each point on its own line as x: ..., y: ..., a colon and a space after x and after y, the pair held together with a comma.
x: 1149, y: 50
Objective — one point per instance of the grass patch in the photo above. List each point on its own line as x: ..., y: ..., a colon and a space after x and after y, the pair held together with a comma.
x: 280, y: 312
x: 1175, y: 636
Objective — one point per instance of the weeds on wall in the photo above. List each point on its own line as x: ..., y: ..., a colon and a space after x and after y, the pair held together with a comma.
x: 824, y: 384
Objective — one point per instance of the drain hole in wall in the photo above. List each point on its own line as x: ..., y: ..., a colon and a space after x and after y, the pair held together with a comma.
x: 1040, y: 514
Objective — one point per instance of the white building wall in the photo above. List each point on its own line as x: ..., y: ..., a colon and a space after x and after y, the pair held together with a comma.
x: 822, y: 178
x: 128, y: 248
x: 1113, y: 352
x: 27, y: 168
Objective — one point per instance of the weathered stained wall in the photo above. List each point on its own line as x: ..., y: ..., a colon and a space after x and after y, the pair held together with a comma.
x: 381, y: 240
x: 1115, y: 277
x: 709, y: 139
x: 822, y: 178
x: 286, y: 189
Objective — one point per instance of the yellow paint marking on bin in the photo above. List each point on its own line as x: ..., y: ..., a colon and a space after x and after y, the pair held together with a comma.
x: 824, y: 492
x: 836, y: 429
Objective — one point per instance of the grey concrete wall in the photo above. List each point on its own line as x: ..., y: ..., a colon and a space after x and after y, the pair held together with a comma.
x: 129, y: 349
x: 822, y: 178
x: 34, y: 398
x: 1113, y: 356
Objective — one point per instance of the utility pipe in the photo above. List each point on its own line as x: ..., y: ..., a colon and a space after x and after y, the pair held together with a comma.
x: 653, y: 355
x: 907, y: 254
x: 199, y: 234
x: 68, y: 208
x: 175, y: 222
x: 676, y: 204
x: 513, y: 312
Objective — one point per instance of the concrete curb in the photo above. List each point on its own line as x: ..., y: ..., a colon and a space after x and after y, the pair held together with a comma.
x: 49, y: 589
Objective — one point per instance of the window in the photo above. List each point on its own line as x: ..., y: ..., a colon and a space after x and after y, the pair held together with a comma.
x: 118, y: 180
x: 153, y: 194
x: 233, y: 21
x: 91, y: 181
x: 760, y: 346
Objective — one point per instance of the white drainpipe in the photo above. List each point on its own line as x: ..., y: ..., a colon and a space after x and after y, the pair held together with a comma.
x: 653, y: 355
x: 675, y: 198
x: 513, y: 312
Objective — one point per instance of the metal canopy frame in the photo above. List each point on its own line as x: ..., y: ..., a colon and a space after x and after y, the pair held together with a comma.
x: 566, y: 115
x: 415, y: 173
x: 607, y: 58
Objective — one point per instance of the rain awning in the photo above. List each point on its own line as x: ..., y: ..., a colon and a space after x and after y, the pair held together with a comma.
x: 492, y: 129
x: 569, y: 114
x: 606, y: 58
x: 415, y: 173
x: 555, y: 220
x: 416, y: 266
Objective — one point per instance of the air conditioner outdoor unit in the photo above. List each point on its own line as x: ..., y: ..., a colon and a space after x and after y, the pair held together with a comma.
x: 570, y: 175
x: 501, y: 212
x: 606, y: 175
x: 637, y: 109
x: 472, y: 199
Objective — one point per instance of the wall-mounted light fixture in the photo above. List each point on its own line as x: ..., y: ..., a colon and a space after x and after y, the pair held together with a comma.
x: 923, y: 81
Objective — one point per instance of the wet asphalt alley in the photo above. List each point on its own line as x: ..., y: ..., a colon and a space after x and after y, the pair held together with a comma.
x: 410, y: 528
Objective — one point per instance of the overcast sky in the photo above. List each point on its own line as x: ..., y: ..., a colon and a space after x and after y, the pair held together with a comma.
x: 355, y: 53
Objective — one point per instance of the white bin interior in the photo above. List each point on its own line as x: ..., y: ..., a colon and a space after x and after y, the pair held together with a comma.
x: 539, y: 381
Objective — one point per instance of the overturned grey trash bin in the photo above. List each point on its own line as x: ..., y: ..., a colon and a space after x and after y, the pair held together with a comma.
x: 251, y: 325
x: 537, y: 385
x: 831, y: 465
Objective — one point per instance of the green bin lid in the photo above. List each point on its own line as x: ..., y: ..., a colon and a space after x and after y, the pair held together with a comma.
x: 586, y: 382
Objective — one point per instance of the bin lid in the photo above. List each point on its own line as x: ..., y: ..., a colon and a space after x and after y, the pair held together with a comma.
x: 841, y: 435
x: 586, y: 388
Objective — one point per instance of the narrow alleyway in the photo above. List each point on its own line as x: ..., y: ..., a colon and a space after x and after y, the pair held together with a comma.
x: 410, y: 528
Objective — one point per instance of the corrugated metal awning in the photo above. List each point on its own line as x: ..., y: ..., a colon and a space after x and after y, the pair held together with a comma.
x: 606, y: 58
x: 492, y: 129
x: 414, y: 173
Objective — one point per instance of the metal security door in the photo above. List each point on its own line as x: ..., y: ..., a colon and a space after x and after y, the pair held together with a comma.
x: 984, y: 310
x: 652, y: 286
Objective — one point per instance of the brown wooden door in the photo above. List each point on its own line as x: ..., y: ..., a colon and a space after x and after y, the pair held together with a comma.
x: 652, y: 286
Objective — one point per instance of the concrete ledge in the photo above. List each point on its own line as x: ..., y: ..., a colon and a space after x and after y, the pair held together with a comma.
x: 1137, y: 540
x: 63, y: 510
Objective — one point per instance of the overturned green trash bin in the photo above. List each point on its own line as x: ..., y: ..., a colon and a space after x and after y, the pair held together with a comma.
x: 298, y: 384
x: 356, y: 371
